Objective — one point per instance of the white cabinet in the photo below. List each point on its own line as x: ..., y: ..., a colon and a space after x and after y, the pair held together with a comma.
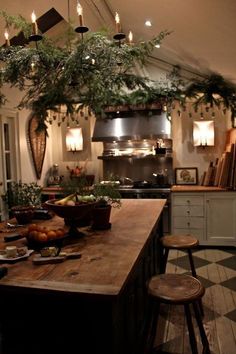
x: 188, y: 214
x: 210, y: 216
x: 221, y: 218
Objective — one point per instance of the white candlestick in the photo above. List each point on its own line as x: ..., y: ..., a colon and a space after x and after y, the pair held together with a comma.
x: 117, y: 19
x: 34, y: 24
x: 6, y: 34
x: 80, y: 13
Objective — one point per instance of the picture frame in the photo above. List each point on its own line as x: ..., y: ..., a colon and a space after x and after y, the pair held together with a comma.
x: 186, y: 176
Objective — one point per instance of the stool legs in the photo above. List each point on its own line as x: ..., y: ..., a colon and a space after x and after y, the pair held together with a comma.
x: 164, y: 260
x: 204, y: 339
x: 192, y: 338
x: 194, y: 274
x: 191, y: 263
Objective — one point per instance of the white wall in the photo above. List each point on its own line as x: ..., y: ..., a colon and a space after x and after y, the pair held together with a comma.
x: 27, y: 172
x: 86, y: 157
x: 187, y: 155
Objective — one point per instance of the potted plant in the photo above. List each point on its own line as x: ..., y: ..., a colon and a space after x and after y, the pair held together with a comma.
x: 79, y: 186
x: 21, y: 199
x: 107, y: 197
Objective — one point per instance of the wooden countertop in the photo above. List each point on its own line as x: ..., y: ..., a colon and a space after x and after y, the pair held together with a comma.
x: 108, y: 257
x: 197, y: 189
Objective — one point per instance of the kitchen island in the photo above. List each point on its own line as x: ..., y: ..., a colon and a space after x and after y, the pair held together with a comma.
x: 97, y: 303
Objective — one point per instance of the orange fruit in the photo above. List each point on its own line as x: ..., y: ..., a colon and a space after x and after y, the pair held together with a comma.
x: 42, y: 237
x: 62, y: 231
x: 33, y: 235
x: 40, y: 229
x: 45, y: 229
x: 59, y: 233
x: 32, y: 227
x: 51, y: 235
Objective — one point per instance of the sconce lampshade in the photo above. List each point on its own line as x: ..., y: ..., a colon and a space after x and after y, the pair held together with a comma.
x: 203, y: 133
x: 74, y: 139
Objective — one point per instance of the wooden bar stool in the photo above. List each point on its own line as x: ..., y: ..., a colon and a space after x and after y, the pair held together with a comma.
x: 181, y: 289
x: 180, y: 242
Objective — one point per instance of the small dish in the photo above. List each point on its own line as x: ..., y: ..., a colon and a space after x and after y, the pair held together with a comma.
x: 4, y: 258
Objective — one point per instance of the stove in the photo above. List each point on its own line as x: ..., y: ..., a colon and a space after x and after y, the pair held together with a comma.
x: 144, y: 187
x: 151, y: 191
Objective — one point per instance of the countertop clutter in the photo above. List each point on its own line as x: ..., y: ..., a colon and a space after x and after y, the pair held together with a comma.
x: 86, y: 301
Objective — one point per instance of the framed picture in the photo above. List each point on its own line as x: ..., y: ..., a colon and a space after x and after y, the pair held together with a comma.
x: 186, y: 175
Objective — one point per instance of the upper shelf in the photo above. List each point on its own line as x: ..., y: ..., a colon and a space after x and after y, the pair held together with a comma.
x: 135, y: 157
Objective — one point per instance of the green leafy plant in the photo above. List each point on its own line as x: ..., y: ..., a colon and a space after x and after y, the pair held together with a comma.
x: 84, y: 72
x: 23, y: 194
x: 77, y: 185
x: 107, y: 194
x: 212, y: 90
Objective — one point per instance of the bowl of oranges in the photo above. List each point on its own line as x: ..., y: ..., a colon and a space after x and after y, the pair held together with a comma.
x: 39, y: 237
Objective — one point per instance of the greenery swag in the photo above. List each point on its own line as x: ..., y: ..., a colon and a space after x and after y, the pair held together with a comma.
x: 95, y: 71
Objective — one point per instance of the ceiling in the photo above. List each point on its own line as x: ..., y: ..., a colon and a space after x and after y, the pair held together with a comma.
x: 203, y: 37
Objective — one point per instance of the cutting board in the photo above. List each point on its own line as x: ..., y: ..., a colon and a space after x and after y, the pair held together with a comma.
x: 38, y: 260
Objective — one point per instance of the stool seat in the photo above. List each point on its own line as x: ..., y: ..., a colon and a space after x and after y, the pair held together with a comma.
x: 179, y: 289
x: 175, y: 288
x: 179, y: 241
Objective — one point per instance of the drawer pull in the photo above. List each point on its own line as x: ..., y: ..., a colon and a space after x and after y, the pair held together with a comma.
x: 188, y: 212
x: 188, y: 223
x: 188, y: 201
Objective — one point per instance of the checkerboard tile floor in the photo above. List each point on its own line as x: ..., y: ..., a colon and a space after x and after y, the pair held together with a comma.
x: 216, y: 269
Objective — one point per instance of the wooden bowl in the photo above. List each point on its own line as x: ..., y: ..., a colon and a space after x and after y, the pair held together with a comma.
x: 72, y: 214
x: 77, y: 211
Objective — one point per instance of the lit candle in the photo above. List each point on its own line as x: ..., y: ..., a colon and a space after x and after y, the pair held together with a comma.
x: 6, y: 34
x: 130, y: 36
x: 80, y: 13
x: 34, y: 23
x: 117, y: 19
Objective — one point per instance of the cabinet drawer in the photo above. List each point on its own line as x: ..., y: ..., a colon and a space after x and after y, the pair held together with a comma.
x: 188, y: 210
x: 188, y: 200
x: 198, y: 233
x: 182, y: 222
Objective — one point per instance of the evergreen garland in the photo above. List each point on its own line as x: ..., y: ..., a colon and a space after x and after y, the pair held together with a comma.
x: 96, y: 72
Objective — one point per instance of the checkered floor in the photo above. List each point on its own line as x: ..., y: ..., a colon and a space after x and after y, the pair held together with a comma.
x: 216, y: 269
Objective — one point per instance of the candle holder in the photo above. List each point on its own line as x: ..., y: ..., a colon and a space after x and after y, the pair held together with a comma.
x: 119, y: 36
x: 35, y: 37
x: 81, y: 29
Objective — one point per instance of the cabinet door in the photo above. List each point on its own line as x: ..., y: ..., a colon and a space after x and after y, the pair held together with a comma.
x: 221, y: 216
x: 187, y: 199
x: 185, y: 210
x: 188, y: 222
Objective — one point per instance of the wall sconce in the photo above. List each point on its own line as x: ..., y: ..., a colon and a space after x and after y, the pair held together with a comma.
x: 203, y: 133
x: 74, y: 139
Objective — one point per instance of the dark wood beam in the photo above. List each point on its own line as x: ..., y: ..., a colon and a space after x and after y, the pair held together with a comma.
x: 44, y: 22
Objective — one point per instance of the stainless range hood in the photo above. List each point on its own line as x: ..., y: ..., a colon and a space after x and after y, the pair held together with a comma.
x: 132, y: 128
